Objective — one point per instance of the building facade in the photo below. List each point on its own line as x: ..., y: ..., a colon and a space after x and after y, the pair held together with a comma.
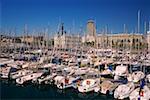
x: 67, y: 41
x: 121, y: 41
x: 64, y: 41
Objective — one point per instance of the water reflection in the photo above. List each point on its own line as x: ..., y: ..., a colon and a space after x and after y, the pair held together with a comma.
x: 45, y: 91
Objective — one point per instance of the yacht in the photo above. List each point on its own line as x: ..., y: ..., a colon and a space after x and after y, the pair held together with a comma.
x: 106, y: 87
x: 81, y: 71
x: 123, y: 91
x: 20, y: 73
x: 137, y: 76
x: 106, y: 72
x: 140, y: 94
x: 121, y: 70
x: 67, y: 82
x: 4, y: 72
x: 88, y: 85
x: 28, y: 77
x: 46, y: 78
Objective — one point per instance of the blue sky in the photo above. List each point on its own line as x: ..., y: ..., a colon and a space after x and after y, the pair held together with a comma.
x: 38, y: 14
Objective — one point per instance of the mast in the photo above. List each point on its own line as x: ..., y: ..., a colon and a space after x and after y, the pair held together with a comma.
x: 149, y: 25
x: 111, y: 39
x: 139, y: 21
x: 145, y: 27
x: 124, y: 28
x: 106, y: 32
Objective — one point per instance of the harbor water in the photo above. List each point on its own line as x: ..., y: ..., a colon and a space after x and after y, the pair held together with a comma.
x: 10, y: 90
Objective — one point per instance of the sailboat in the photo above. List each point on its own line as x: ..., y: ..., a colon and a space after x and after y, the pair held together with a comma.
x: 88, y: 85
x: 140, y: 93
x: 137, y: 76
x: 123, y: 91
x: 32, y: 76
x: 120, y: 70
x: 20, y: 73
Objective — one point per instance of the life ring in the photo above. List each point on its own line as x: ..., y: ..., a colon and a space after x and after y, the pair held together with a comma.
x: 88, y: 82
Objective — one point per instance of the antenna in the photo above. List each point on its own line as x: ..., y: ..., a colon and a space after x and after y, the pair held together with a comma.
x: 139, y: 21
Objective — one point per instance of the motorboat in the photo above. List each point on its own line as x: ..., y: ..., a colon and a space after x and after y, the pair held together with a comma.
x: 106, y: 87
x: 28, y: 77
x: 66, y: 82
x: 88, y: 85
x: 123, y: 91
x: 4, y: 71
x: 57, y: 79
x: 106, y: 72
x: 137, y: 76
x: 121, y: 70
x: 20, y: 73
x: 46, y: 78
x: 140, y: 94
x: 81, y: 71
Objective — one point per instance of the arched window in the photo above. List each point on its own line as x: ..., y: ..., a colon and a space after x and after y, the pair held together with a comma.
x: 129, y: 41
x: 133, y: 40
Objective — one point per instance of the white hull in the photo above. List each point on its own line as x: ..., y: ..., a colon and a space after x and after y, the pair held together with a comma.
x: 49, y: 77
x: 4, y: 72
x: 20, y: 73
x: 29, y: 77
x: 143, y: 96
x: 106, y: 86
x: 89, y: 85
x: 123, y: 91
x: 83, y: 89
x: 5, y: 75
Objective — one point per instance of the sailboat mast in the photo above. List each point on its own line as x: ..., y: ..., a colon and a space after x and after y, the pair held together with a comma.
x: 149, y: 25
x: 139, y: 21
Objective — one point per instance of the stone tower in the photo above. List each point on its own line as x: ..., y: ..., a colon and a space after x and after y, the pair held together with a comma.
x: 91, y: 31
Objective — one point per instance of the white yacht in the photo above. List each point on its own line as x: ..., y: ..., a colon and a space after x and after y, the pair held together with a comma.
x: 81, y: 71
x: 46, y: 78
x: 137, y: 76
x: 123, y: 91
x: 120, y: 70
x: 106, y: 86
x: 106, y: 72
x: 20, y: 73
x: 4, y: 71
x: 144, y: 94
x: 66, y: 82
x: 88, y: 85
x: 28, y: 77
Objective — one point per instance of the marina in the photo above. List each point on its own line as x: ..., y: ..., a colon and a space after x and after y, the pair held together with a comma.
x: 43, y: 57
x: 66, y: 72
